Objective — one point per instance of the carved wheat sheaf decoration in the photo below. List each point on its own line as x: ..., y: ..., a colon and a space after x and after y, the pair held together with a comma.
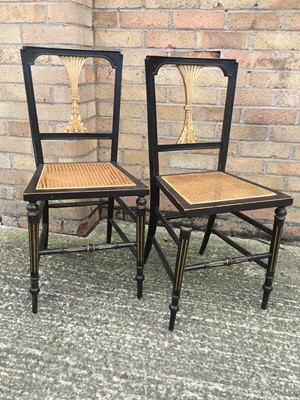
x: 73, y: 66
x: 189, y: 74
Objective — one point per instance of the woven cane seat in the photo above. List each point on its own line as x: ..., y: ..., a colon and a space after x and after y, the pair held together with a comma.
x: 82, y: 175
x: 209, y: 187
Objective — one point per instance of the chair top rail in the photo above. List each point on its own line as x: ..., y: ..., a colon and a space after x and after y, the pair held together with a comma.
x: 30, y: 54
x: 228, y: 66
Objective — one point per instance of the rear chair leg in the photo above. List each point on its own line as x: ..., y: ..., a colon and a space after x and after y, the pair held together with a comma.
x: 140, y: 240
x: 46, y: 222
x: 210, y: 224
x: 153, y: 220
x: 280, y: 214
x: 185, y: 233
x: 110, y: 214
x: 33, y: 230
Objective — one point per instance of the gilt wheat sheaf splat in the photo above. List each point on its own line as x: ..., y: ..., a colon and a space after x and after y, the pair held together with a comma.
x: 73, y: 66
x: 189, y: 74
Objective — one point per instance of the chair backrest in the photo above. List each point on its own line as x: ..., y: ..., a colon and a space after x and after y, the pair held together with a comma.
x: 189, y: 69
x: 75, y: 66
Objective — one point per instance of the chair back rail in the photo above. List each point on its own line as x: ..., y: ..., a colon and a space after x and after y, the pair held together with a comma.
x: 29, y: 55
x: 153, y: 65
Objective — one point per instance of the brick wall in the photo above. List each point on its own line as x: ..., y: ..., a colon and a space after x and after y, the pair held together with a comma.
x: 34, y: 23
x: 263, y: 36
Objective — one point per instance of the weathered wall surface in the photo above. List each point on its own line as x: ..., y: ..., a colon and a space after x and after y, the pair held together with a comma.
x: 262, y: 35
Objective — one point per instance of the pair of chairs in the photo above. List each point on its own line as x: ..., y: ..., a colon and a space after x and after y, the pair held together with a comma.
x: 98, y: 184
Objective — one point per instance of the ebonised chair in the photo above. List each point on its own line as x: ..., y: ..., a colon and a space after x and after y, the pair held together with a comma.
x: 60, y: 184
x: 199, y: 192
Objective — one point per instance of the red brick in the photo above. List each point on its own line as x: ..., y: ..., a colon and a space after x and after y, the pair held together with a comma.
x: 11, y: 74
x: 133, y: 76
x: 69, y: 13
x: 198, y: 20
x: 254, y: 21
x: 293, y: 184
x: 18, y: 128
x: 130, y: 142
x: 277, y: 41
x: 253, y: 97
x: 117, y: 39
x: 246, y: 166
x: 285, y: 134
x: 297, y: 152
x: 132, y: 110
x: 11, y: 34
x: 223, y: 40
x: 293, y: 216
x: 170, y: 39
x: 275, y: 80
x: 134, y: 126
x: 144, y: 19
x: 293, y: 21
x: 117, y: 4
x: 248, y: 132
x: 169, y: 4
x: 22, y: 13
x: 287, y: 98
x: 105, y: 19
x: 136, y: 57
x: 23, y: 162
x: 265, y: 150
x: 5, y: 161
x: 253, y: 60
x: 288, y: 60
x: 11, y: 177
x: 283, y: 168
x: 226, y: 4
x: 279, y: 4
x: 265, y: 116
x: 133, y: 93
x: 274, y: 182
x: 136, y: 158
x: 10, y: 55
x: 193, y: 161
x: 63, y: 34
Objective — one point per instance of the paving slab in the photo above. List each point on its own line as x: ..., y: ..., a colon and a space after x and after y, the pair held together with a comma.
x: 92, y: 339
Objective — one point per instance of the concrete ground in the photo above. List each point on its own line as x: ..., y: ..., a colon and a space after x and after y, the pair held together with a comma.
x: 92, y: 339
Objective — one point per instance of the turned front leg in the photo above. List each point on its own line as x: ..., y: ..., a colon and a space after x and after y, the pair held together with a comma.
x: 33, y: 230
x: 185, y: 233
x: 280, y: 214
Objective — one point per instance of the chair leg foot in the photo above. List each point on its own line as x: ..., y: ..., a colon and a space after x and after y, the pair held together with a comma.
x: 174, y: 308
x: 34, y: 290
x: 184, y: 238
x: 280, y: 214
x: 267, y: 287
x: 140, y: 240
x: 33, y: 231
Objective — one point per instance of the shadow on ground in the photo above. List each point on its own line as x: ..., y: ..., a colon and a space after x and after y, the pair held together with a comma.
x: 92, y: 339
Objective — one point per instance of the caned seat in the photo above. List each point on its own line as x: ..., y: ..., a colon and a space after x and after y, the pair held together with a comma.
x: 201, y: 192
x: 100, y: 184
x: 82, y: 176
x: 211, y: 191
